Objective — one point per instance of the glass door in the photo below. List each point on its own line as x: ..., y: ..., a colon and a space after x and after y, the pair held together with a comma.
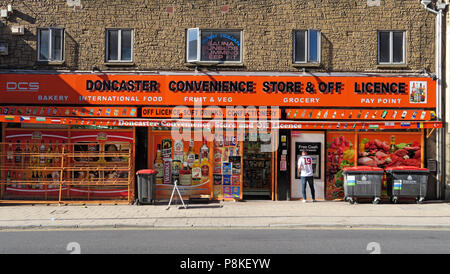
x: 257, y: 181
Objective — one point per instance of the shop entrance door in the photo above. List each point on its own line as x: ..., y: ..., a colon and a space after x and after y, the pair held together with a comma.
x: 313, y: 143
x: 257, y: 168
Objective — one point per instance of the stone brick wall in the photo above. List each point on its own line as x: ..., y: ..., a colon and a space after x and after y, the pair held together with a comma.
x: 349, y: 32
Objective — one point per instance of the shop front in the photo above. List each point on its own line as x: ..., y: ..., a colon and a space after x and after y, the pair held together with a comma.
x: 67, y: 164
x: 220, y: 136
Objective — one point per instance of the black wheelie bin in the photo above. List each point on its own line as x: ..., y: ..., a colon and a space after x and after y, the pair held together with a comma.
x: 407, y: 181
x: 362, y: 182
x: 146, y: 183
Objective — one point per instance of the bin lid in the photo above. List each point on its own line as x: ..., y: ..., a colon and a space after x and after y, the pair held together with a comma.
x: 362, y: 169
x: 407, y: 169
x: 146, y: 171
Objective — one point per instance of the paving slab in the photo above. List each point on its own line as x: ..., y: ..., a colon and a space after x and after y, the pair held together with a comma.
x: 226, y: 215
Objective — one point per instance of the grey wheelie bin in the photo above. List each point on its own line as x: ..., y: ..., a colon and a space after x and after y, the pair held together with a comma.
x: 407, y: 181
x: 362, y: 182
x: 146, y: 183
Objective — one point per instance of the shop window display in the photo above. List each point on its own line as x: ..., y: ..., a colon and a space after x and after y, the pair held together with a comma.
x: 375, y: 149
x: 92, y: 173
x: 32, y: 165
x: 201, y: 167
x: 227, y: 167
x: 47, y: 165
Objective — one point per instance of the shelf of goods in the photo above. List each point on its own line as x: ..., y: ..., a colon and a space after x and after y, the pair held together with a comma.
x: 64, y: 174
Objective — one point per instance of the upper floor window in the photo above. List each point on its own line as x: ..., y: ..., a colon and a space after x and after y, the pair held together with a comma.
x: 50, y: 44
x: 215, y: 46
x: 391, y: 47
x: 119, y: 45
x: 306, y: 46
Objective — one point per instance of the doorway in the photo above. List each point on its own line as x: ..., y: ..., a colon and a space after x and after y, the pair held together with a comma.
x: 258, y: 177
x: 314, y: 144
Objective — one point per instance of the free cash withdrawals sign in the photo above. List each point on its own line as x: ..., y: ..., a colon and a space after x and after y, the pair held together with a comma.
x: 218, y: 90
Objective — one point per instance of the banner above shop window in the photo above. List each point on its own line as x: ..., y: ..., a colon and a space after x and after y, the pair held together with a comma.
x: 218, y: 90
x: 69, y: 111
x: 361, y: 114
x: 224, y: 124
x: 210, y: 112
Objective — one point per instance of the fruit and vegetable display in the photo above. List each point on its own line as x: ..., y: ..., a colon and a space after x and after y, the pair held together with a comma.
x: 383, y: 154
x: 340, y: 154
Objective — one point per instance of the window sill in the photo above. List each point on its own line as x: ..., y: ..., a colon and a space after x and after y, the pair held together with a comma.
x: 307, y: 65
x: 392, y: 66
x: 213, y: 64
x: 120, y: 64
x: 51, y: 63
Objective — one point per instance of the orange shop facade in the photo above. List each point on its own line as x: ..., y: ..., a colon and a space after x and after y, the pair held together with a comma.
x: 227, y: 136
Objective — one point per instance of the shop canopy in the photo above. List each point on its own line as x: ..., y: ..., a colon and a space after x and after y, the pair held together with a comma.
x: 224, y: 124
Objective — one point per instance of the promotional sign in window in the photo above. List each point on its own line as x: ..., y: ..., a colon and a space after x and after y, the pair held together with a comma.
x: 220, y: 46
x: 313, y: 150
x: 340, y: 153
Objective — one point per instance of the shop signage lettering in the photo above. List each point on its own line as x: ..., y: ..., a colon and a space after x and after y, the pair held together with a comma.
x: 238, y: 112
x: 22, y: 86
x: 212, y: 86
x: 220, y: 90
x: 380, y: 88
x: 115, y: 85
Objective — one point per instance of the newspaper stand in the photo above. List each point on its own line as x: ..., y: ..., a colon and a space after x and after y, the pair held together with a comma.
x: 362, y: 182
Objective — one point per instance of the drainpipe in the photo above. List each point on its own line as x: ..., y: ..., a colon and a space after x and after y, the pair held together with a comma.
x: 440, y: 133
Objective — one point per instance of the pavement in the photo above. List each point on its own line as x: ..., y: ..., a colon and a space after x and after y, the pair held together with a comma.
x: 433, y: 215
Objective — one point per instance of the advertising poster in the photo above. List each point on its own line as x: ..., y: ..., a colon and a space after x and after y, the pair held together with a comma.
x: 173, y: 152
x: 313, y: 150
x: 218, y: 192
x: 236, y: 192
x: 390, y: 149
x: 340, y: 152
x: 385, y: 150
x: 227, y: 192
x: 375, y: 149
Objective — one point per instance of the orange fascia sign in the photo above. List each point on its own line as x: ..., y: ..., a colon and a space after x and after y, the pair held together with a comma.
x: 218, y: 90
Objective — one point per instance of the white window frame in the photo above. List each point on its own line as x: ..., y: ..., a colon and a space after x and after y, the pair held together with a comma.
x: 199, y: 35
x: 307, y: 48
x: 391, y: 47
x: 197, y: 58
x: 50, y: 45
x: 119, y: 45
